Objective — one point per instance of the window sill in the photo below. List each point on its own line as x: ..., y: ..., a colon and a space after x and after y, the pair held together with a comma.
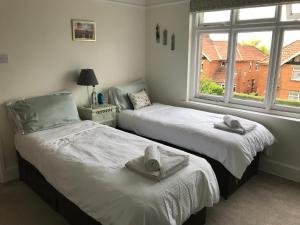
x: 239, y: 109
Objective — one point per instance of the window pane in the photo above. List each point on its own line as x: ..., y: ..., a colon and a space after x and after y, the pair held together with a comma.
x: 296, y: 73
x: 290, y: 12
x: 216, y: 16
x: 213, y: 47
x: 251, y: 65
x: 255, y: 13
x: 294, y: 95
x: 288, y: 86
x: 295, y: 8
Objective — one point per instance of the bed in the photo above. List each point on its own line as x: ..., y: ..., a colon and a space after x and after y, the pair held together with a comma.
x: 234, y: 157
x: 80, y: 168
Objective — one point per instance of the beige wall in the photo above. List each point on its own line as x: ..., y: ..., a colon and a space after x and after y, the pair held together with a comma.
x: 167, y: 78
x: 36, y: 35
x: 166, y: 69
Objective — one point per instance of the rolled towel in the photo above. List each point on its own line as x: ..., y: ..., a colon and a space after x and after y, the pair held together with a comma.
x: 152, y: 158
x: 232, y: 122
x: 170, y: 164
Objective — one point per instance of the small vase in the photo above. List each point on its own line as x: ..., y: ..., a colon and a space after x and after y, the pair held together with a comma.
x: 100, y: 98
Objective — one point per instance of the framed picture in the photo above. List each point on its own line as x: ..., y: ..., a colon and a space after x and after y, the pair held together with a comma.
x: 83, y: 30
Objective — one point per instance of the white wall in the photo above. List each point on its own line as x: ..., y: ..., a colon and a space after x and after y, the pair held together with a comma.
x: 166, y: 73
x: 166, y: 69
x: 36, y: 35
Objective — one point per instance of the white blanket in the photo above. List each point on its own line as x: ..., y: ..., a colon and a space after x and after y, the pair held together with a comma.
x: 85, y: 162
x: 194, y: 130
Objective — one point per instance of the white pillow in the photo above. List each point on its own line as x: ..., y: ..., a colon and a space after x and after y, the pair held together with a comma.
x: 118, y: 95
x: 42, y: 112
x: 12, y: 115
x: 139, y: 99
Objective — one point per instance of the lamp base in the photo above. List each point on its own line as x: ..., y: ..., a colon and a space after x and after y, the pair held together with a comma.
x: 94, y: 99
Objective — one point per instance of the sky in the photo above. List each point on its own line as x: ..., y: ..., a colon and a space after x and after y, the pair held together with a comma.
x: 254, y: 13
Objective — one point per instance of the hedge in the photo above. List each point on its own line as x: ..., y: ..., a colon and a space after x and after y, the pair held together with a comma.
x: 261, y: 99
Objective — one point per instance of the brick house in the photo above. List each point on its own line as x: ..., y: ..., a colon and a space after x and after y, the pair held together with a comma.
x: 251, y: 68
x: 247, y: 70
x: 289, y: 79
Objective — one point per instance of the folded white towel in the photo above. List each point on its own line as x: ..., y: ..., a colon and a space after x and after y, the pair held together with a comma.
x: 232, y: 122
x: 242, y: 130
x: 152, y: 158
x: 170, y: 164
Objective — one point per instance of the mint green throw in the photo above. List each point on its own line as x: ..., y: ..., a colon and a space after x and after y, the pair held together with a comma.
x: 45, y: 112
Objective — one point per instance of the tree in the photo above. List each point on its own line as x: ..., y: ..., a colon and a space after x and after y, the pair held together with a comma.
x: 256, y: 44
x: 210, y: 87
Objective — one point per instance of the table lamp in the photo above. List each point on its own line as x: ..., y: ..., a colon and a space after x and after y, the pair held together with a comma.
x: 88, y: 78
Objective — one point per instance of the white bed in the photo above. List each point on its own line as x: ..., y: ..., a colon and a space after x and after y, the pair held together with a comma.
x: 194, y: 130
x: 85, y: 162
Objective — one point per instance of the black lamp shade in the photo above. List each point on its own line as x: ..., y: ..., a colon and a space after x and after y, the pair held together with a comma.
x: 87, y: 77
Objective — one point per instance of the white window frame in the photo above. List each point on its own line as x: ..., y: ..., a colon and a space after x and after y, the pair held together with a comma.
x: 296, y: 69
x: 199, y: 60
x: 233, y: 28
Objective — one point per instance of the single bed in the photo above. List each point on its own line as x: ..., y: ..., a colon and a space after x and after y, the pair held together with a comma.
x: 234, y: 157
x: 79, y: 169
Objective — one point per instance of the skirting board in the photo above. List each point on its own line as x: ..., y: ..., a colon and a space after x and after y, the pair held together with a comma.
x: 280, y: 169
x: 10, y: 174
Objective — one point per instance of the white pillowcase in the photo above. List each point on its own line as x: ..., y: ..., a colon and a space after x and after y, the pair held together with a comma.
x: 13, y: 116
x: 139, y: 99
x: 118, y: 95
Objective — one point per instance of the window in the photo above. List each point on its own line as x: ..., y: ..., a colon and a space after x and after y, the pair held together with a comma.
x: 293, y: 11
x: 255, y: 13
x: 213, y: 54
x: 251, y: 48
x: 215, y: 17
x: 257, y: 66
x: 290, y: 12
x: 288, y: 72
x: 296, y: 73
x: 294, y: 95
x: 250, y: 57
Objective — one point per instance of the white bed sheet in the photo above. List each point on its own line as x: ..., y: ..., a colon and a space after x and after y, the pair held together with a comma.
x: 85, y: 162
x: 194, y: 130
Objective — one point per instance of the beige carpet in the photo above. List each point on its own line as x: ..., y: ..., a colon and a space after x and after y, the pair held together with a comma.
x: 264, y: 200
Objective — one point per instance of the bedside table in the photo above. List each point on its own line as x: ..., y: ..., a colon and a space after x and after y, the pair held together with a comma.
x: 105, y: 114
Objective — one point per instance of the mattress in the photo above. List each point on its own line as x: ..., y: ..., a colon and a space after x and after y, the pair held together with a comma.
x: 194, y: 130
x: 85, y: 162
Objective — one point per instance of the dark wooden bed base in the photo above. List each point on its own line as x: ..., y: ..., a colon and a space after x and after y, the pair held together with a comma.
x: 72, y: 213
x: 228, y: 183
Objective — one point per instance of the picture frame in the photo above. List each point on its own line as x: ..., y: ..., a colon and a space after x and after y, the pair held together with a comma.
x: 83, y: 30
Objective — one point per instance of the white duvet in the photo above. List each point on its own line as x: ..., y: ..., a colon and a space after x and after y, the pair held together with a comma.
x: 85, y: 162
x: 194, y: 130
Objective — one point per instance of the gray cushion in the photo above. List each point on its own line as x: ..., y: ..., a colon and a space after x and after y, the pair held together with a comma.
x: 45, y: 112
x: 119, y: 94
